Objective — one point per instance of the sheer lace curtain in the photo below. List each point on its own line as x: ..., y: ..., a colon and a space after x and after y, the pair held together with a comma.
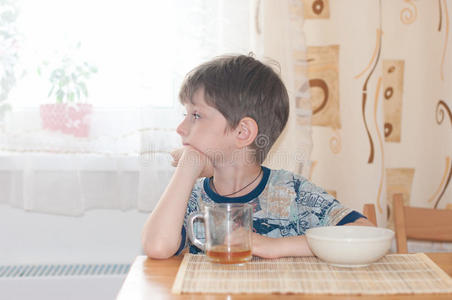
x: 136, y: 54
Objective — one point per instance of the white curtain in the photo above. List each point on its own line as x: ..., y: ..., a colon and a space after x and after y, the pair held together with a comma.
x: 141, y: 51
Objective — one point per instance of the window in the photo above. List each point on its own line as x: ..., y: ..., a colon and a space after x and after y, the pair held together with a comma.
x: 136, y: 54
x: 141, y: 49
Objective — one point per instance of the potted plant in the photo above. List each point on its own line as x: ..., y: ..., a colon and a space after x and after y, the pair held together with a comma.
x: 8, y: 52
x: 68, y: 77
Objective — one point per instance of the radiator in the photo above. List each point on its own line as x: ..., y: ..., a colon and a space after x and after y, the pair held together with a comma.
x: 62, y: 281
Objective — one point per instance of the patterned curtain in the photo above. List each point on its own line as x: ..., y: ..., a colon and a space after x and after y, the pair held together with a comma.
x: 380, y: 75
x: 277, y: 38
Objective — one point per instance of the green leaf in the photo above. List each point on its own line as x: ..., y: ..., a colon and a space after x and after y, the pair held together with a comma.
x: 56, y: 74
x: 77, y: 90
x: 70, y: 96
x: 51, y: 91
x: 60, y: 96
x: 5, y: 107
x: 82, y: 86
x: 64, y: 81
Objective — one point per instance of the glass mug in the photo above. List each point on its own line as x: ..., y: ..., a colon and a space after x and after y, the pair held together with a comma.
x: 228, y: 228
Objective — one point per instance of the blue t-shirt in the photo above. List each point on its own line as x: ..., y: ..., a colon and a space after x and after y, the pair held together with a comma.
x: 284, y: 204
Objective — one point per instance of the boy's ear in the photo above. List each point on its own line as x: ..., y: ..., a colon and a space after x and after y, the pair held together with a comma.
x: 246, y: 132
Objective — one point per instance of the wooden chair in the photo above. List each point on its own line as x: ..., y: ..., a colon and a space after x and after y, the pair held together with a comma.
x: 420, y: 224
x: 369, y: 213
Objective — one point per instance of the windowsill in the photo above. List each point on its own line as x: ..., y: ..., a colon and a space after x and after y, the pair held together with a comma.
x: 68, y: 162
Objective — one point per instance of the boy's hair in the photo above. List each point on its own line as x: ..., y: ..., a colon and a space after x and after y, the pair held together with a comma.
x: 241, y: 86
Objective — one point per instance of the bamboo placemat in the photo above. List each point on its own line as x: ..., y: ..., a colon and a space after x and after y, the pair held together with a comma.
x: 393, y: 274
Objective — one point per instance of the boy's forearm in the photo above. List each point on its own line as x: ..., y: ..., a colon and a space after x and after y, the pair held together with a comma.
x: 280, y: 247
x: 289, y: 246
x: 293, y: 246
x: 161, y: 234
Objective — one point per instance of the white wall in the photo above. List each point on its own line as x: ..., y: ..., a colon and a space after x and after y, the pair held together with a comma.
x: 100, y: 236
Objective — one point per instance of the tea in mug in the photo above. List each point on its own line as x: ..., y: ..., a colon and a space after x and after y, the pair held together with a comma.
x: 228, y: 228
x: 234, y: 255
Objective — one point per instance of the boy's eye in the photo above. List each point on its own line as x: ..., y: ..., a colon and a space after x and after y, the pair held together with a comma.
x: 193, y: 115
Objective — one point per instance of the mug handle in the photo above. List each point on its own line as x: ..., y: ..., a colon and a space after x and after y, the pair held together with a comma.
x: 190, y: 231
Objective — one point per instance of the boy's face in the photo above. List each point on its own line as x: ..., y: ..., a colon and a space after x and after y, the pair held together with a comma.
x: 204, y: 128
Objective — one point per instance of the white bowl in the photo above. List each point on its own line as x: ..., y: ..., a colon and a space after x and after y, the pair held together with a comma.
x: 349, y: 246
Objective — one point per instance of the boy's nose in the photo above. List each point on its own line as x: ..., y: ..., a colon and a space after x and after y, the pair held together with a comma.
x: 182, y: 129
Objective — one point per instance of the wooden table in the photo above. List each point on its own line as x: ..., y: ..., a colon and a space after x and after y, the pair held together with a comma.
x: 153, y: 279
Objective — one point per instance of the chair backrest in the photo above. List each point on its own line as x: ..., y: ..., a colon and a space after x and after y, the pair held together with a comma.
x: 369, y: 213
x: 420, y: 223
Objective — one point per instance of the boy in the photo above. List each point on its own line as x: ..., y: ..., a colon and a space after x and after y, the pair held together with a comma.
x: 236, y: 109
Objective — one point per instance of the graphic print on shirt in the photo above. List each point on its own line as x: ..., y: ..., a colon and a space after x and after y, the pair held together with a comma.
x: 287, y: 205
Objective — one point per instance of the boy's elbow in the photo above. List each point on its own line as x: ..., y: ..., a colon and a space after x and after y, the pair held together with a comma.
x: 157, y: 250
x: 361, y: 222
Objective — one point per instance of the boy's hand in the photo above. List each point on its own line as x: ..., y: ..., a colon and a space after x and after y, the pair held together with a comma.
x: 261, y: 245
x: 190, y: 156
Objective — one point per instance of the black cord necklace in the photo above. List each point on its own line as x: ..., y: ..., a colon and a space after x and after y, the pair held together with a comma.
x: 215, y: 190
